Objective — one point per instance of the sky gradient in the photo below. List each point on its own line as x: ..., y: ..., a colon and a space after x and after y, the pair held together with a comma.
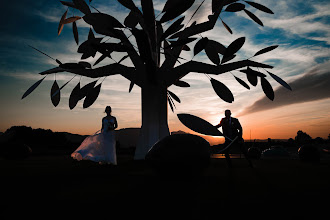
x: 300, y: 28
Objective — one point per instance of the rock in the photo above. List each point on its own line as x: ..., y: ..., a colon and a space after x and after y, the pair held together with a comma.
x: 309, y: 153
x: 180, y: 155
x: 16, y: 151
x: 275, y: 151
x: 254, y: 153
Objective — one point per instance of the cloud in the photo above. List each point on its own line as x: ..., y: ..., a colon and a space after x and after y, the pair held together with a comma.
x: 312, y: 86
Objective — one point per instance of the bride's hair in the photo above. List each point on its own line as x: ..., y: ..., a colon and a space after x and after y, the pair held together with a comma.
x: 107, y: 109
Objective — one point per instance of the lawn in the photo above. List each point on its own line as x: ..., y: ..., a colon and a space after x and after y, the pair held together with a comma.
x: 58, y: 184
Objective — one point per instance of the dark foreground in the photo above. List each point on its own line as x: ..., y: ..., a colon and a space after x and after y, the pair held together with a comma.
x: 61, y: 186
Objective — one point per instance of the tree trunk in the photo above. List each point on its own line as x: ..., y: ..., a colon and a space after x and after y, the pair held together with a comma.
x: 154, y: 119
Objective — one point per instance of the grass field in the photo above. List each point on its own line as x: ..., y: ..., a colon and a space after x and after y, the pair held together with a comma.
x: 58, y: 184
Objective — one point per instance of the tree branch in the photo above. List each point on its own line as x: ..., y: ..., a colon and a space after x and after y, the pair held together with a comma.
x: 198, y: 67
x: 108, y: 70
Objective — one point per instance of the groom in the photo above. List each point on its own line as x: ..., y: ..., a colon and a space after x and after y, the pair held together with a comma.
x: 231, y: 128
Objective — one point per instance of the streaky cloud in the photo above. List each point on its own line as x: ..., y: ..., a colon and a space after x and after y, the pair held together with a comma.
x: 312, y: 86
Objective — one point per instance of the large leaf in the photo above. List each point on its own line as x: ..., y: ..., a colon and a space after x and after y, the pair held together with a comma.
x: 131, y: 85
x: 279, y: 80
x: 181, y: 83
x: 198, y: 125
x: 32, y: 88
x: 70, y: 4
x: 227, y: 27
x: 242, y: 82
x: 131, y: 20
x: 252, y: 75
x: 74, y: 96
x: 170, y: 101
x: 219, y: 48
x: 253, y: 17
x: 175, y: 27
x: 265, y: 50
x: 92, y: 96
x: 233, y: 48
x: 82, y: 6
x: 75, y: 32
x: 175, y: 97
x: 128, y: 4
x: 71, y: 19
x: 235, y: 7
x: 222, y: 91
x: 260, y: 7
x: 174, y: 8
x: 200, y: 45
x: 102, y: 21
x: 55, y: 98
x: 54, y: 94
x: 181, y: 42
x: 61, y: 24
x: 212, y: 54
x: 267, y: 88
x: 85, y: 90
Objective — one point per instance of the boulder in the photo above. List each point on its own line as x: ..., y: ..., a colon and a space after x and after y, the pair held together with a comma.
x: 254, y: 153
x: 275, y: 151
x: 16, y: 151
x: 180, y: 155
x: 309, y: 153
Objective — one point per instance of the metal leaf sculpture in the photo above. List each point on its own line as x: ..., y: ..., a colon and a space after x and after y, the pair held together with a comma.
x: 154, y: 49
x: 222, y: 91
x: 57, y: 95
x: 198, y: 125
x: 33, y: 87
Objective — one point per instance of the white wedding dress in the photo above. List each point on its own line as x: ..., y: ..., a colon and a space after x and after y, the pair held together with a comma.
x: 99, y: 147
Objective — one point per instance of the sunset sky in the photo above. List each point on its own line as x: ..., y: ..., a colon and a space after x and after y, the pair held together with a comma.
x: 300, y: 28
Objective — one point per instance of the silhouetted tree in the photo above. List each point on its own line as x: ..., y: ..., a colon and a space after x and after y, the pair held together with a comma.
x: 302, y: 137
x: 155, y: 54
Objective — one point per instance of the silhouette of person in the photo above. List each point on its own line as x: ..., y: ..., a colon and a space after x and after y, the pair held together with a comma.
x: 231, y: 128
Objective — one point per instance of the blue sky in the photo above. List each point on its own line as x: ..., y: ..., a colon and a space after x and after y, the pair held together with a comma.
x: 300, y: 28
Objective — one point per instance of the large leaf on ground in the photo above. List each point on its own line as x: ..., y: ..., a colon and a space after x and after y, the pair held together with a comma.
x: 265, y: 50
x: 260, y: 7
x: 92, y: 96
x: 279, y: 80
x: 55, y: 98
x: 233, y: 48
x: 267, y: 88
x: 32, y: 88
x: 200, y: 45
x: 82, y: 6
x: 253, y: 17
x: 199, y: 125
x: 222, y: 91
x: 174, y: 8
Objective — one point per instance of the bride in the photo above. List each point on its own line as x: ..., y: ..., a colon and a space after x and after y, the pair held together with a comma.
x: 100, y: 147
